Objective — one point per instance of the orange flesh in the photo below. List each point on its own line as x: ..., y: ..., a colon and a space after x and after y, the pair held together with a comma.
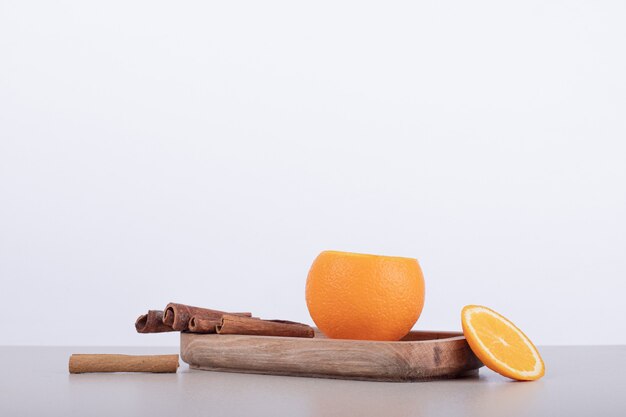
x: 500, y: 345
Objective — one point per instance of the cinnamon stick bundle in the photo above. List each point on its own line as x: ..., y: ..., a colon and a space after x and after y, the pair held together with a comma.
x: 152, y: 323
x: 80, y: 363
x: 203, y: 325
x: 232, y: 324
x: 177, y: 316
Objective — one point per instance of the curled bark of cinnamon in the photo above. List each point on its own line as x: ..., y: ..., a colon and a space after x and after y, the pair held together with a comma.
x: 152, y: 323
x: 232, y: 324
x: 203, y: 325
x: 82, y: 363
x: 178, y: 315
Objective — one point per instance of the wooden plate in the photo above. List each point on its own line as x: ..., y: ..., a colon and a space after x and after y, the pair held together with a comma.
x: 420, y: 356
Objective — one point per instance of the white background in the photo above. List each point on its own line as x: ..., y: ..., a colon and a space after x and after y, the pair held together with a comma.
x: 205, y: 152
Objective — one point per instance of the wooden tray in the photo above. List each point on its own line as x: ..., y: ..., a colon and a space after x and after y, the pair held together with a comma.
x: 420, y: 356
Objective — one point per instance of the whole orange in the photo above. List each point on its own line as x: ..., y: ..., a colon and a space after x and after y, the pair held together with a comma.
x: 365, y: 297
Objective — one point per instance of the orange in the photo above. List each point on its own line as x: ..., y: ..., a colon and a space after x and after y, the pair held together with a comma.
x: 365, y: 297
x: 500, y: 345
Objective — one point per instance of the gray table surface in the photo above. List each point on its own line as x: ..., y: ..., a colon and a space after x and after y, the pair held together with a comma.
x: 34, y: 381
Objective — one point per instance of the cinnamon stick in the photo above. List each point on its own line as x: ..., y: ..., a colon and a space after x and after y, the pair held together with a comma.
x: 152, y: 323
x: 80, y: 363
x: 232, y: 324
x: 202, y: 325
x: 177, y: 315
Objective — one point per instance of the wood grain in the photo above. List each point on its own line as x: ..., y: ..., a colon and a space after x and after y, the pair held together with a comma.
x: 420, y: 356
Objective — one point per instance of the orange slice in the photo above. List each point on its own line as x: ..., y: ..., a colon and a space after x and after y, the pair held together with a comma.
x: 500, y: 345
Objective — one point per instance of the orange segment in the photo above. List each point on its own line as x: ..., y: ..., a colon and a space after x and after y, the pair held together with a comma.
x: 500, y: 345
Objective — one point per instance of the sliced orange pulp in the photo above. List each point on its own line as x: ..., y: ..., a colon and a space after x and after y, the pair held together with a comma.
x: 500, y: 345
